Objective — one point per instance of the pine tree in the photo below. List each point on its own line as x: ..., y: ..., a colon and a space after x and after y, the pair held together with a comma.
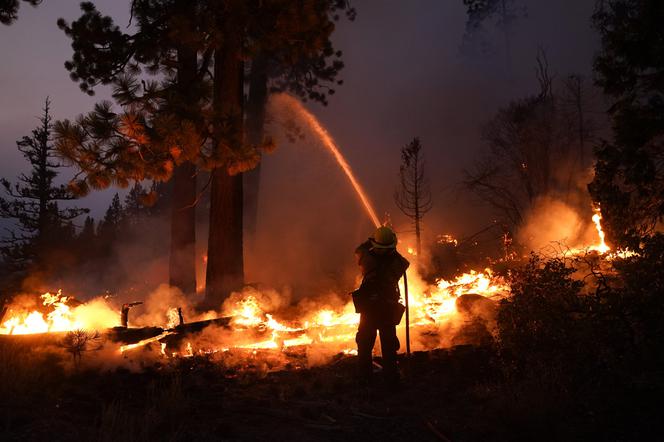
x: 110, y: 226
x: 33, y: 200
x: 87, y: 234
x: 413, y: 197
x: 135, y: 205
x: 161, y: 133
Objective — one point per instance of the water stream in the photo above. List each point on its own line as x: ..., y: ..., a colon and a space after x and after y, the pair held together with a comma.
x: 312, y: 122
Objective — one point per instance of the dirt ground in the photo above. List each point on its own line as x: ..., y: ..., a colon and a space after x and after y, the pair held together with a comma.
x: 446, y: 395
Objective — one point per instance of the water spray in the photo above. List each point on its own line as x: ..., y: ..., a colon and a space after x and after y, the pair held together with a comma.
x: 331, y: 145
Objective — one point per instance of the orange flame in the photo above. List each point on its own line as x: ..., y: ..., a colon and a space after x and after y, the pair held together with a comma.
x: 602, y: 248
x: 59, y: 316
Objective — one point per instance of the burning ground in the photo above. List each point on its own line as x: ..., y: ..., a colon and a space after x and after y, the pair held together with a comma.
x: 313, y: 330
x: 263, y: 324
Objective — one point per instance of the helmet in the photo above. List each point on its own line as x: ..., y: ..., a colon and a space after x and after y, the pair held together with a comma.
x: 384, y: 238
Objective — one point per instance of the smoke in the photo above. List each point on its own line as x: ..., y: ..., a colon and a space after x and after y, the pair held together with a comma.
x: 551, y: 222
x: 555, y: 223
x: 309, y: 218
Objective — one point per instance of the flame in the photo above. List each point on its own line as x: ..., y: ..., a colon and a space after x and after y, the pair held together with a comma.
x: 429, y: 306
x: 447, y: 239
x: 58, y: 316
x: 173, y: 317
x: 602, y: 248
x: 124, y: 348
x: 254, y: 327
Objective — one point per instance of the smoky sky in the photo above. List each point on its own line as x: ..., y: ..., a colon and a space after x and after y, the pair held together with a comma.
x: 405, y: 75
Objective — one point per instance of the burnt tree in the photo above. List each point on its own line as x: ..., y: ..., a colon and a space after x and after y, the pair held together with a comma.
x: 413, y: 196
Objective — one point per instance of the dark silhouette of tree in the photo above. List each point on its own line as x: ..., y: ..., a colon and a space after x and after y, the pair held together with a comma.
x: 413, y: 197
x: 629, y: 172
x: 87, y: 233
x: 9, y: 9
x: 33, y: 200
x: 110, y: 226
x: 137, y: 205
x: 87, y: 243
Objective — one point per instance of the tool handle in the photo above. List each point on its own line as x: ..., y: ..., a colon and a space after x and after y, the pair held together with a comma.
x: 405, y: 287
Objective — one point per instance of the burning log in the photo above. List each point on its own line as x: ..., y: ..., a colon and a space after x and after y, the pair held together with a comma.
x: 127, y: 335
x: 124, y: 317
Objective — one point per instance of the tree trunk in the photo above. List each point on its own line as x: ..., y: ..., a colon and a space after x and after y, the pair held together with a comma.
x: 225, y: 266
x: 255, y: 122
x: 182, y: 262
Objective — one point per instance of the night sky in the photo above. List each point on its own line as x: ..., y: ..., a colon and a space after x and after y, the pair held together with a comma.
x: 405, y: 76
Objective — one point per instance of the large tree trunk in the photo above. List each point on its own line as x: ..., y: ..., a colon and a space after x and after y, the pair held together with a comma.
x: 225, y: 266
x: 182, y: 263
x: 255, y: 122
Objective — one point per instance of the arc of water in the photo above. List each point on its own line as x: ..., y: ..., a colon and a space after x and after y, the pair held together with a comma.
x: 331, y: 145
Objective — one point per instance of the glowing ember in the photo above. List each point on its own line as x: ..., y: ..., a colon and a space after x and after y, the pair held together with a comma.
x: 124, y: 348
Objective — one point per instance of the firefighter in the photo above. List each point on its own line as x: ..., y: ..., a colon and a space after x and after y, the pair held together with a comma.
x: 377, y: 302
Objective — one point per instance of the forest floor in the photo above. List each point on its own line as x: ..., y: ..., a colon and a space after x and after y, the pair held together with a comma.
x: 446, y: 395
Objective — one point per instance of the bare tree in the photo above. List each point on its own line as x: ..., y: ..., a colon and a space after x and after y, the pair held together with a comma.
x: 413, y: 196
x: 527, y: 141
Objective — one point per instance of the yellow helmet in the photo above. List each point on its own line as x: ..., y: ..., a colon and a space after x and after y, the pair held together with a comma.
x: 384, y: 238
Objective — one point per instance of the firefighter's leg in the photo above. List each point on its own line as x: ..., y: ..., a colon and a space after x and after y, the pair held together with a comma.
x: 389, y: 344
x: 365, y: 338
